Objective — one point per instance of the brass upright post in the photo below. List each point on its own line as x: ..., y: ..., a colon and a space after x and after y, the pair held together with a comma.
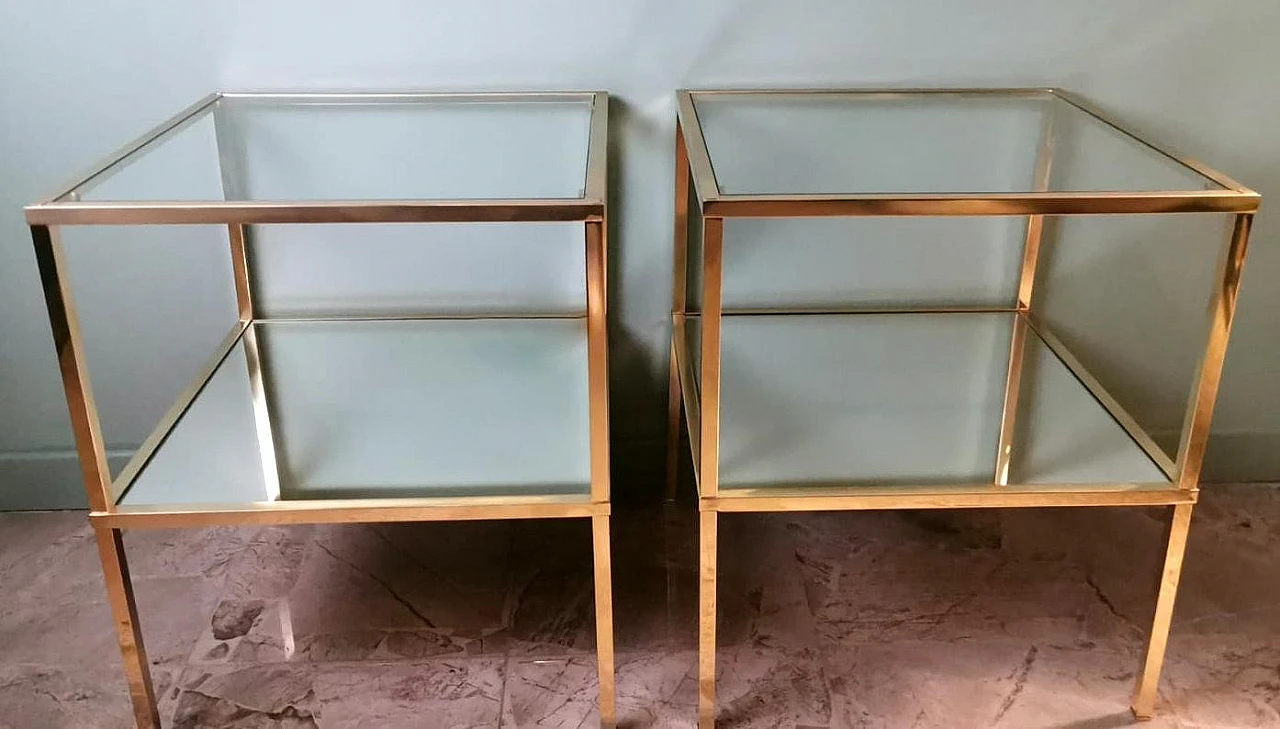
x: 69, y: 346
x: 680, y: 245
x: 707, y: 538
x: 1191, y: 450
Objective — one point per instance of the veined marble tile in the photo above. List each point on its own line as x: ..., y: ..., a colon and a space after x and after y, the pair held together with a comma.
x: 67, y: 697
x: 449, y: 694
x: 23, y: 533
x: 182, y: 552
x: 762, y: 686
x: 654, y: 690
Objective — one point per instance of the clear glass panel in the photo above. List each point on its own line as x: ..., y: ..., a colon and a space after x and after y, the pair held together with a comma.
x: 908, y: 399
x: 872, y: 262
x: 153, y: 301
x: 1127, y: 294
x: 284, y: 149
x: 832, y: 143
x: 398, y: 269
x: 388, y: 409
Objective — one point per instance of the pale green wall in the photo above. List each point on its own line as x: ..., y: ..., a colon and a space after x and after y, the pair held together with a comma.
x: 77, y: 79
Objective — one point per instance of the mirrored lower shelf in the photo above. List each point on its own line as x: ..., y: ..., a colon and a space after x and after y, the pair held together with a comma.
x: 485, y: 410
x: 912, y: 405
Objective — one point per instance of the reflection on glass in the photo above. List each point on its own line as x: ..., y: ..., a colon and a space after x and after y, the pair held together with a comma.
x: 905, y: 399
x: 283, y: 149
x: 830, y: 143
x: 388, y: 409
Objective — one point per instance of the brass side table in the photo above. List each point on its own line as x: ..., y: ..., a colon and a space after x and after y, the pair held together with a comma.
x: 899, y: 395
x: 379, y: 409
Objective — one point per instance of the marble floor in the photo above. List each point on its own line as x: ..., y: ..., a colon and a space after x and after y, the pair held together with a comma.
x: 1031, y: 618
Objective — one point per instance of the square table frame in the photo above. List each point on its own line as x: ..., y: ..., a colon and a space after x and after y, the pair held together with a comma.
x: 699, y: 397
x: 109, y: 518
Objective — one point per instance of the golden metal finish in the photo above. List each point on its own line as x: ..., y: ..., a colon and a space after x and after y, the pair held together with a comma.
x: 597, y: 184
x: 963, y: 496
x: 707, y: 527
x: 1012, y: 388
x: 699, y: 159
x: 109, y: 516
x: 807, y: 310
x: 1144, y: 698
x: 240, y: 272
x: 673, y: 423
x: 709, y: 385
x: 604, y: 619
x: 351, y: 511
x: 689, y: 390
x: 990, y: 204
x: 701, y: 405
x: 1035, y: 223
x: 69, y: 346
x: 261, y: 414
x: 679, y: 283
x: 340, y: 211
x: 1222, y: 309
x: 598, y: 360
x: 124, y: 611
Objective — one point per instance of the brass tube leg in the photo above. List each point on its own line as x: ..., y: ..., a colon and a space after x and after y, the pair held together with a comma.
x: 673, y: 427
x: 1144, y: 698
x: 115, y: 570
x: 707, y: 619
x: 604, y: 619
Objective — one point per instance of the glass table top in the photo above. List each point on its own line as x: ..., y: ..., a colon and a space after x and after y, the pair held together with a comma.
x: 390, y: 408
x: 831, y: 143
x: 360, y: 147
x: 905, y: 399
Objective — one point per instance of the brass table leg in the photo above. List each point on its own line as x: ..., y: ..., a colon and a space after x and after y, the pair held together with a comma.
x: 604, y: 620
x: 707, y: 619
x: 115, y: 570
x: 1144, y: 699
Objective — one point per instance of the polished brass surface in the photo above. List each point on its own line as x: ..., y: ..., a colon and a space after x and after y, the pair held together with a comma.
x: 701, y: 405
x: 947, y: 204
x: 596, y: 187
x: 709, y: 383
x: 960, y: 496
x: 604, y: 618
x: 1012, y: 389
x: 707, y: 528
x: 68, y: 345
x: 338, y: 211
x: 1144, y: 697
x: 679, y: 283
x: 109, y: 516
x: 124, y: 612
x: 240, y: 272
x: 689, y: 396
x: 261, y: 414
x: 1222, y: 309
x: 1035, y: 223
x: 351, y: 511
x: 597, y: 359
x: 699, y: 159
